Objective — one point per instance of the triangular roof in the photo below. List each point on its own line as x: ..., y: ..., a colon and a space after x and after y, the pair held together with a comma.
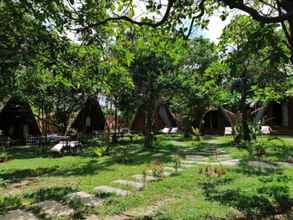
x: 162, y: 118
x: 90, y: 117
x: 17, y: 118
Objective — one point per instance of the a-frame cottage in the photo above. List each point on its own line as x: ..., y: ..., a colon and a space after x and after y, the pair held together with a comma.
x: 90, y: 118
x: 162, y: 118
x: 17, y: 120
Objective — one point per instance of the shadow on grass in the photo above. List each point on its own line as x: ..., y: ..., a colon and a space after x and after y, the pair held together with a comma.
x: 267, y: 169
x: 9, y: 203
x: 88, y: 168
x: 270, y: 198
x: 27, y: 152
x: 53, y: 193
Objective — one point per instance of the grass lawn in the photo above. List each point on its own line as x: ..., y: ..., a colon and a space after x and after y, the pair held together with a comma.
x: 30, y: 177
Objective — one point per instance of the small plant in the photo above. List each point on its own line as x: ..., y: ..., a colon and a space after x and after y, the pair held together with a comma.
x: 256, y: 149
x: 3, y: 157
x: 122, y: 155
x: 213, y: 171
x: 144, y: 178
x: 100, y: 151
x: 9, y: 203
x: 157, y: 168
x: 196, y: 134
x: 177, y: 162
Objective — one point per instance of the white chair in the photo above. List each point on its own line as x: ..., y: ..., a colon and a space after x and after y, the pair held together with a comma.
x: 165, y: 130
x: 266, y: 129
x: 58, y: 147
x: 228, y: 131
x: 174, y: 130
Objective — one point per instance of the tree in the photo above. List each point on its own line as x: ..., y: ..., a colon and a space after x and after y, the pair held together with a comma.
x: 194, y: 90
x: 25, y: 41
x: 155, y: 59
x: 174, y: 14
x: 256, y: 59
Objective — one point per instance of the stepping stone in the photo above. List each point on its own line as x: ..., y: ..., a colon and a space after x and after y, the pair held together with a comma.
x: 285, y: 164
x: 188, y: 162
x: 133, y: 184
x: 140, y: 177
x: 213, y: 142
x: 172, y: 169
x: 187, y: 165
x: 145, y: 153
x: 158, y: 155
x: 223, y: 157
x: 53, y: 209
x: 164, y: 174
x: 261, y: 164
x: 233, y: 162
x: 84, y: 198
x: 18, y: 215
x: 224, y: 163
x: 108, y: 190
x: 23, y: 183
x: 196, y: 157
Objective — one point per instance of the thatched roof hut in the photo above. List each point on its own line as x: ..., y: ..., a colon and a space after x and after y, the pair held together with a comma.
x: 17, y: 120
x: 163, y: 118
x: 90, y: 118
x: 217, y: 119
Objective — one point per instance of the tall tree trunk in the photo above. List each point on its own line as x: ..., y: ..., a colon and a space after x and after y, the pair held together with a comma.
x: 199, y: 114
x: 148, y: 136
x: 245, y: 131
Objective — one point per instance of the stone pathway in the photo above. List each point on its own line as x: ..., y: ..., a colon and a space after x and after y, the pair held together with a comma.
x: 186, y: 166
x: 224, y: 163
x: 84, y: 198
x: 285, y: 164
x: 188, y: 162
x: 158, y: 155
x: 261, y: 165
x: 196, y: 157
x: 144, y: 153
x: 140, y: 178
x: 135, y: 185
x: 172, y: 169
x: 102, y: 191
x: 18, y: 215
x: 53, y: 209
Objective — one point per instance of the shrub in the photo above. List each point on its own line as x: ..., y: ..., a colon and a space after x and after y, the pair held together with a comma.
x: 4, y: 157
x: 196, y: 134
x: 100, y: 151
x: 157, y: 168
x: 121, y: 154
x: 177, y: 162
x: 213, y: 171
x: 9, y: 203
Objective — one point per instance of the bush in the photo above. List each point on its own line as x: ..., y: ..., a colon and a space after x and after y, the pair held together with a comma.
x: 157, y: 168
x: 100, y: 151
x: 121, y: 154
x: 9, y: 203
x: 177, y: 162
x: 213, y: 171
x: 3, y: 157
x: 196, y: 134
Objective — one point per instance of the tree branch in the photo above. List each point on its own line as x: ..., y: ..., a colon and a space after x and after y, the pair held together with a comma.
x: 139, y: 23
x: 202, y: 11
x: 255, y: 14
